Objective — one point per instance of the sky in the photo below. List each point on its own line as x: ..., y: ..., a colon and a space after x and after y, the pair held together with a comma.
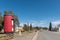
x: 36, y: 12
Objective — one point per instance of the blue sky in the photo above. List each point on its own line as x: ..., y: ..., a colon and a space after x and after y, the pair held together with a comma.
x: 37, y: 12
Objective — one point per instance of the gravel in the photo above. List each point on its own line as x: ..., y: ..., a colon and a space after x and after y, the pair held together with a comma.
x: 24, y: 36
x: 16, y: 36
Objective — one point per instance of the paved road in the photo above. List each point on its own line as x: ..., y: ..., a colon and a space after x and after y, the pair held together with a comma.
x: 46, y: 35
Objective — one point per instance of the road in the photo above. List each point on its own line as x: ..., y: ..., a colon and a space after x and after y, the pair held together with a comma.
x: 46, y: 35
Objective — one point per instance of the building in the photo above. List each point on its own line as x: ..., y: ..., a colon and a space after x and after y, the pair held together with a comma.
x: 18, y: 29
x: 58, y: 28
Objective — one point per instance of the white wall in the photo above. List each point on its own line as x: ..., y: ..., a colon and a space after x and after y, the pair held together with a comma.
x: 59, y: 29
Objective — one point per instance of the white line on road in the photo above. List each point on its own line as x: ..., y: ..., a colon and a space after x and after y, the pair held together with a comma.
x: 35, y: 36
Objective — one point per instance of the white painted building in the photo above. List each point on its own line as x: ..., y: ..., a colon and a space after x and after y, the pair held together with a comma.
x: 59, y: 28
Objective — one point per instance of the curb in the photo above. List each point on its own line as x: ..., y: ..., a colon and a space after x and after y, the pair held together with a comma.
x: 35, y: 36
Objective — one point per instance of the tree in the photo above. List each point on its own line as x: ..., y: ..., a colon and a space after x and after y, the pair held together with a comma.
x: 6, y: 12
x: 1, y: 22
x: 50, y: 26
x: 45, y: 28
x: 30, y: 26
x: 37, y: 28
x: 26, y: 27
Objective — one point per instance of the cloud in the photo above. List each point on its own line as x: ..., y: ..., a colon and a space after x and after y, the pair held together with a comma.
x: 55, y: 23
x: 39, y: 23
x: 42, y: 23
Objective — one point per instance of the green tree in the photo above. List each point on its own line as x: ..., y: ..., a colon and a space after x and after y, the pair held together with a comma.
x: 1, y: 22
x: 45, y: 28
x: 37, y: 28
x: 26, y: 27
x: 50, y: 26
x: 6, y: 12
x: 30, y: 26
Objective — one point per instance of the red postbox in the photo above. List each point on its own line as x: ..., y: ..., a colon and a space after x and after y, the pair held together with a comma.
x: 8, y: 24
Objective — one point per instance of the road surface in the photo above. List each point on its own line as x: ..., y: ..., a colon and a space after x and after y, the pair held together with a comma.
x: 46, y: 35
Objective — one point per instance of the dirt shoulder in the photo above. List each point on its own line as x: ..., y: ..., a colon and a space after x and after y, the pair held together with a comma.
x: 24, y: 36
x: 16, y: 36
